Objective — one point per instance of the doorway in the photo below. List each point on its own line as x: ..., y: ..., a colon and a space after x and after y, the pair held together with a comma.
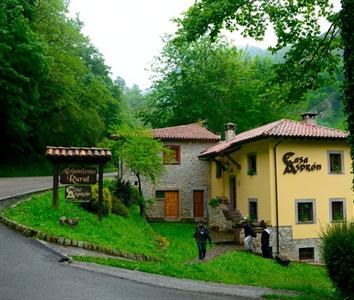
x: 172, y: 204
x: 233, y: 193
x: 198, y: 204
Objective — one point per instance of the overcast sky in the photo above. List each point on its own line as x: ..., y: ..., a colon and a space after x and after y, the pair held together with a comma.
x: 128, y: 32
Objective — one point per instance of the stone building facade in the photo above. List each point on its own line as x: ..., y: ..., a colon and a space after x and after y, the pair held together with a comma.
x: 185, y: 178
x: 183, y: 190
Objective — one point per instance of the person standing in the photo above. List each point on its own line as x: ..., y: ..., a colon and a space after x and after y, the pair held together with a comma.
x: 266, y: 252
x: 201, y: 236
x: 249, y: 235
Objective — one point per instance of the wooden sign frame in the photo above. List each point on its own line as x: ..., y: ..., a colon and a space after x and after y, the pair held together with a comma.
x: 71, y: 156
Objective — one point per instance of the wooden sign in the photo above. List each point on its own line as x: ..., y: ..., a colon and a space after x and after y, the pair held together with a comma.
x: 78, y: 193
x: 78, y: 176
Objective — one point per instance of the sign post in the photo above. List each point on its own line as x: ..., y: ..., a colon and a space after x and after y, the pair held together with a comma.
x: 100, y: 192
x: 55, y: 185
x: 78, y: 178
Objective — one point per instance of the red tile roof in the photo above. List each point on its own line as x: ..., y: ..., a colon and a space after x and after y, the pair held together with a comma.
x: 282, y: 128
x: 73, y: 153
x: 194, y: 132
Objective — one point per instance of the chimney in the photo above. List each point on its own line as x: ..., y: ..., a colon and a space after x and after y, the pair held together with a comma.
x: 229, y: 131
x: 309, y: 118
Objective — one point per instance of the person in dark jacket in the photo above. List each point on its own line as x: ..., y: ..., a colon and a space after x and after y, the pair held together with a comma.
x: 249, y: 235
x: 201, y: 236
x: 266, y: 252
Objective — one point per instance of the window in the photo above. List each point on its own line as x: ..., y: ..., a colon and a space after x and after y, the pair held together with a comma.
x: 307, y: 253
x: 335, y: 162
x: 218, y: 170
x: 253, y: 209
x: 174, y: 157
x: 160, y: 195
x: 252, y: 164
x: 337, y: 209
x: 305, y: 211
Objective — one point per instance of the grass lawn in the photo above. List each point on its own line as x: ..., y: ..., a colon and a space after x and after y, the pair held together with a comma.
x: 133, y: 234
x: 174, y: 243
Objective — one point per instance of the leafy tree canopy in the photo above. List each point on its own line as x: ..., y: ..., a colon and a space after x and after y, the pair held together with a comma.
x: 211, y: 82
x: 140, y: 153
x: 55, y: 88
x: 296, y: 24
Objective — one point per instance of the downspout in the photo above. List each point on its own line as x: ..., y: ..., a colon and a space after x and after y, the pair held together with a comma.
x: 276, y: 193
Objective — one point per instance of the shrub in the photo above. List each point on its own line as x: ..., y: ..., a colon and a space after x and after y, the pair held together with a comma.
x: 140, y: 200
x: 93, y: 204
x: 118, y: 207
x: 214, y: 202
x: 136, y: 196
x: 338, y: 255
x: 123, y: 190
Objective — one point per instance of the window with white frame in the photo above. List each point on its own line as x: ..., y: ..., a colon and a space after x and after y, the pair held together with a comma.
x: 335, y: 162
x: 337, y: 209
x: 305, y: 211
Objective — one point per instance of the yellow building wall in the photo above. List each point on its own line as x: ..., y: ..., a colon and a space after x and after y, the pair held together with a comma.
x: 247, y: 186
x: 318, y: 184
x: 217, y: 184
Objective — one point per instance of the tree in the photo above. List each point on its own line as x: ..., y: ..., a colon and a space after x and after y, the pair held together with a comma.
x: 141, y: 154
x: 327, y: 102
x: 296, y: 23
x: 347, y: 23
x: 133, y: 103
x: 54, y: 85
x: 213, y: 82
x: 23, y: 67
x: 78, y: 92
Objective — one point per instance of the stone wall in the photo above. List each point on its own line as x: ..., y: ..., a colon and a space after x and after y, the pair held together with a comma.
x: 287, y: 245
x: 191, y: 174
x: 217, y: 219
x: 290, y: 247
x: 257, y: 241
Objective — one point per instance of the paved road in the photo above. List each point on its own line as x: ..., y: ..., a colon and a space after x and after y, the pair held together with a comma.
x: 29, y: 271
x: 10, y: 186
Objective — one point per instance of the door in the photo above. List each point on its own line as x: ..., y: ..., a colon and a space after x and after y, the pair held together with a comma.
x: 171, y: 204
x: 233, y: 199
x: 198, y: 204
